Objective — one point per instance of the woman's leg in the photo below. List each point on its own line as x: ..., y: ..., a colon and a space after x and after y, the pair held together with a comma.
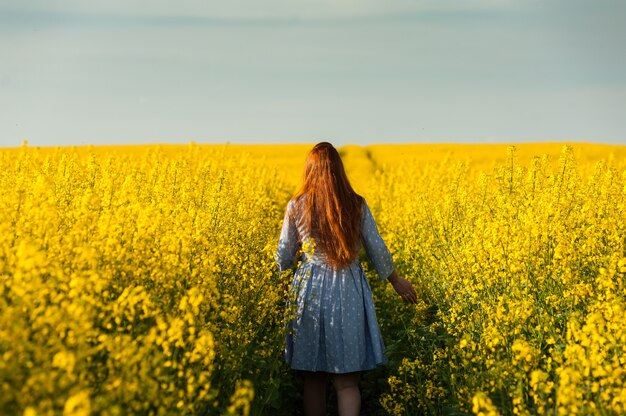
x: 315, y: 393
x: 348, y: 394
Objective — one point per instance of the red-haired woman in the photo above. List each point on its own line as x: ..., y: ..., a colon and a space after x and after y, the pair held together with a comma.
x: 335, y: 330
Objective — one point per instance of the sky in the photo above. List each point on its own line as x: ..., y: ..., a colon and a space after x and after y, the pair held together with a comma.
x: 284, y: 71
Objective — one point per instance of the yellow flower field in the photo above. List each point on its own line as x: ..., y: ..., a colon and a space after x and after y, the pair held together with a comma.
x: 141, y: 279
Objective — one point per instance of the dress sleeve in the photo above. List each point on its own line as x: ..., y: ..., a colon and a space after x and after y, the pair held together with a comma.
x: 288, y: 241
x: 375, y: 247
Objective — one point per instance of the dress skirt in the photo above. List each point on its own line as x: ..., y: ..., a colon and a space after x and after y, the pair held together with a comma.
x: 333, y: 326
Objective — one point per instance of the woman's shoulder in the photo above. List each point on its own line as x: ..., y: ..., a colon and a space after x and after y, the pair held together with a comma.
x: 295, y: 202
x: 364, y: 205
x: 298, y: 199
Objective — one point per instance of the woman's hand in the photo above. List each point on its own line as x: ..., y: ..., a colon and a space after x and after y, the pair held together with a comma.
x: 403, y: 287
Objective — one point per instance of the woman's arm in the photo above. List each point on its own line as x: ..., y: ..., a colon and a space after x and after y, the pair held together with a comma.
x: 288, y: 241
x: 402, y: 287
x: 375, y: 247
x: 379, y: 255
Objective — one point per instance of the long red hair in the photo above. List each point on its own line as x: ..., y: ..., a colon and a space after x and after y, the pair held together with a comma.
x: 332, y: 210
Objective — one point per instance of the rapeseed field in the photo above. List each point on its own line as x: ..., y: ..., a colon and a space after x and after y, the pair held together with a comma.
x: 142, y: 279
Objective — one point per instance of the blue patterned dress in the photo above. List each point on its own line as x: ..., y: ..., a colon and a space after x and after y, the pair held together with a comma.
x: 335, y: 328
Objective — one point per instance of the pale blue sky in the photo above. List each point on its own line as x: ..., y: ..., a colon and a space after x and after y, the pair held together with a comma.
x: 252, y: 71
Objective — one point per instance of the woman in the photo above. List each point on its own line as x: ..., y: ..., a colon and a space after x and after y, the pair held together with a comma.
x: 335, y: 330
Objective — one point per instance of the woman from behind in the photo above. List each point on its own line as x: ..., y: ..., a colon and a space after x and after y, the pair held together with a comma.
x: 335, y: 332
